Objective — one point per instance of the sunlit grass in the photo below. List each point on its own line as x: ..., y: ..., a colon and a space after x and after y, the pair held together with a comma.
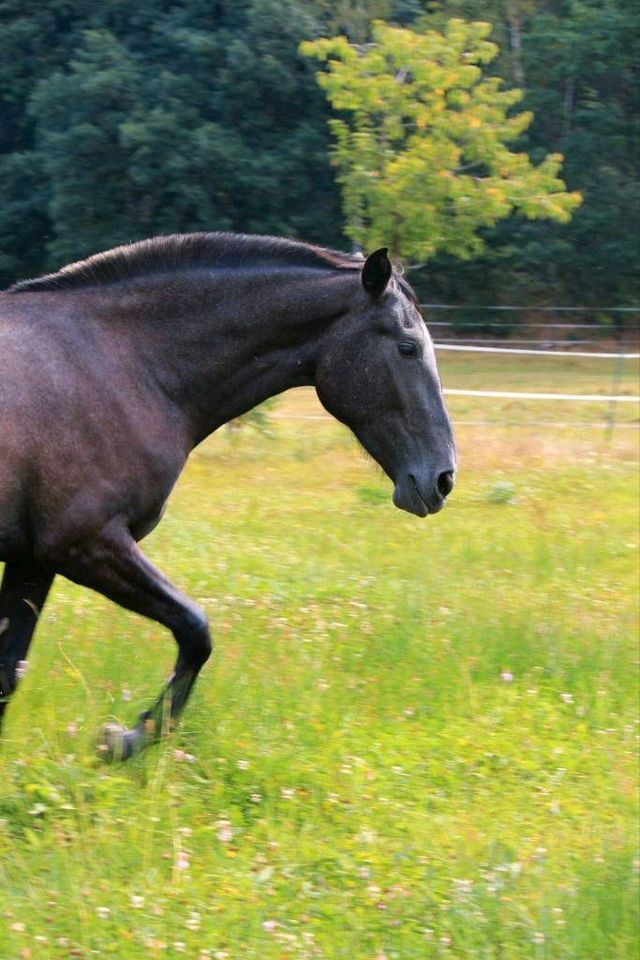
x: 416, y: 739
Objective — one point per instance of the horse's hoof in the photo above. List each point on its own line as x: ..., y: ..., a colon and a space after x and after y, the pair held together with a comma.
x: 116, y: 743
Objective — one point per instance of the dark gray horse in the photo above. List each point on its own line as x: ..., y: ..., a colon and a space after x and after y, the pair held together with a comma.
x: 114, y: 368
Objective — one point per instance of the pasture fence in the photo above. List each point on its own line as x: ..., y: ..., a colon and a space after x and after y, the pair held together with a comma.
x: 547, y: 347
x: 505, y: 346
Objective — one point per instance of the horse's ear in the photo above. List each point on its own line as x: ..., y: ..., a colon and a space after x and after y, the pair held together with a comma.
x: 376, y: 272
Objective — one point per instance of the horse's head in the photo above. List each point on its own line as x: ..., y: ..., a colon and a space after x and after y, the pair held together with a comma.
x: 377, y: 374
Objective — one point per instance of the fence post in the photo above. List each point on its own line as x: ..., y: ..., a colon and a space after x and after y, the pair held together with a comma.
x: 615, y: 389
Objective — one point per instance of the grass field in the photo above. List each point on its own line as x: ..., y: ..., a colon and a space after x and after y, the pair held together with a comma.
x: 417, y: 739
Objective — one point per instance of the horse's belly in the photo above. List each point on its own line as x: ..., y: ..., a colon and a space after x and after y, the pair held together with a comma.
x: 14, y: 542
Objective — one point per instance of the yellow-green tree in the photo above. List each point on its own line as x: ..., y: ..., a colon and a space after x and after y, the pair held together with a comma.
x: 421, y: 145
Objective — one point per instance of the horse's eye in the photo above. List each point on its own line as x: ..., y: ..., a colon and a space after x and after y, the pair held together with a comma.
x: 408, y: 348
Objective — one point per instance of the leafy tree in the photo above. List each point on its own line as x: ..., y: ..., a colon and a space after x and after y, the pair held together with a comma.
x: 170, y: 116
x: 579, y: 59
x: 353, y: 18
x: 79, y: 113
x: 123, y: 120
x: 423, y: 157
x: 586, y: 102
x: 36, y: 39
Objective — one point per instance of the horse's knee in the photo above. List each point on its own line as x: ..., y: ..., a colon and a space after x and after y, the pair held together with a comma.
x: 203, y: 647
x: 194, y: 638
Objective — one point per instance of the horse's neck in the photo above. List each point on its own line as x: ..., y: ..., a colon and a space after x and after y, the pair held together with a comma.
x: 219, y: 345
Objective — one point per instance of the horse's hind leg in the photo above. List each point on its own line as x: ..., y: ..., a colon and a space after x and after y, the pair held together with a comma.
x: 113, y: 565
x: 22, y: 596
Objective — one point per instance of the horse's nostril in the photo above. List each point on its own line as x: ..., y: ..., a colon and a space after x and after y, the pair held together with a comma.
x: 445, y: 483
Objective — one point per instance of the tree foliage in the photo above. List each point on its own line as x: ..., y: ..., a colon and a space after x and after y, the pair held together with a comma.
x: 423, y: 150
x: 124, y: 120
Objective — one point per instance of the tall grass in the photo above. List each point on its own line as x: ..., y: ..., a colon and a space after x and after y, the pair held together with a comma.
x: 416, y: 739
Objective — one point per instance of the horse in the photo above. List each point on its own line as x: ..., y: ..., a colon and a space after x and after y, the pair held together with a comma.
x: 115, y: 367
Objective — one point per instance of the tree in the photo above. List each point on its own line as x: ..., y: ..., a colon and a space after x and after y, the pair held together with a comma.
x: 422, y: 148
x: 79, y: 113
x: 579, y: 59
x: 586, y: 101
x: 124, y: 121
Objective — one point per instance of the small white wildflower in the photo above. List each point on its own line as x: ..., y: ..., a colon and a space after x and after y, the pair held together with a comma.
x: 567, y: 697
x: 506, y: 676
x: 287, y: 793
x: 538, y: 937
x: 182, y: 860
x: 242, y: 764
x: 224, y: 831
x: 269, y: 925
x: 193, y: 923
x: 125, y: 694
x: 103, y: 912
x: 137, y: 902
x: 463, y: 888
x: 255, y: 798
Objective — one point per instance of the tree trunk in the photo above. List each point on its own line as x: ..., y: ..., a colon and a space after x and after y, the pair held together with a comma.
x: 567, y: 107
x: 515, y: 42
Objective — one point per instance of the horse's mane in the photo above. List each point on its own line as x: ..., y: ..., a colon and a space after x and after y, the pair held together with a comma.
x: 187, y: 251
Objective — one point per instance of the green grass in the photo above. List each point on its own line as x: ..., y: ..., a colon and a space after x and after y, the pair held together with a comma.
x: 416, y: 739
x: 561, y: 374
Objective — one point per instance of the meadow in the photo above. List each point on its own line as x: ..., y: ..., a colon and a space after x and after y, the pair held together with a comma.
x: 416, y: 739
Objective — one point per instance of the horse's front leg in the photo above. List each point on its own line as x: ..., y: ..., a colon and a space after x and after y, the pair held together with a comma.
x: 24, y: 590
x: 112, y: 564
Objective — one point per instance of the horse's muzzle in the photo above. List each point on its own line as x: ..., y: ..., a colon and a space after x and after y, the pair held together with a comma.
x: 422, y: 498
